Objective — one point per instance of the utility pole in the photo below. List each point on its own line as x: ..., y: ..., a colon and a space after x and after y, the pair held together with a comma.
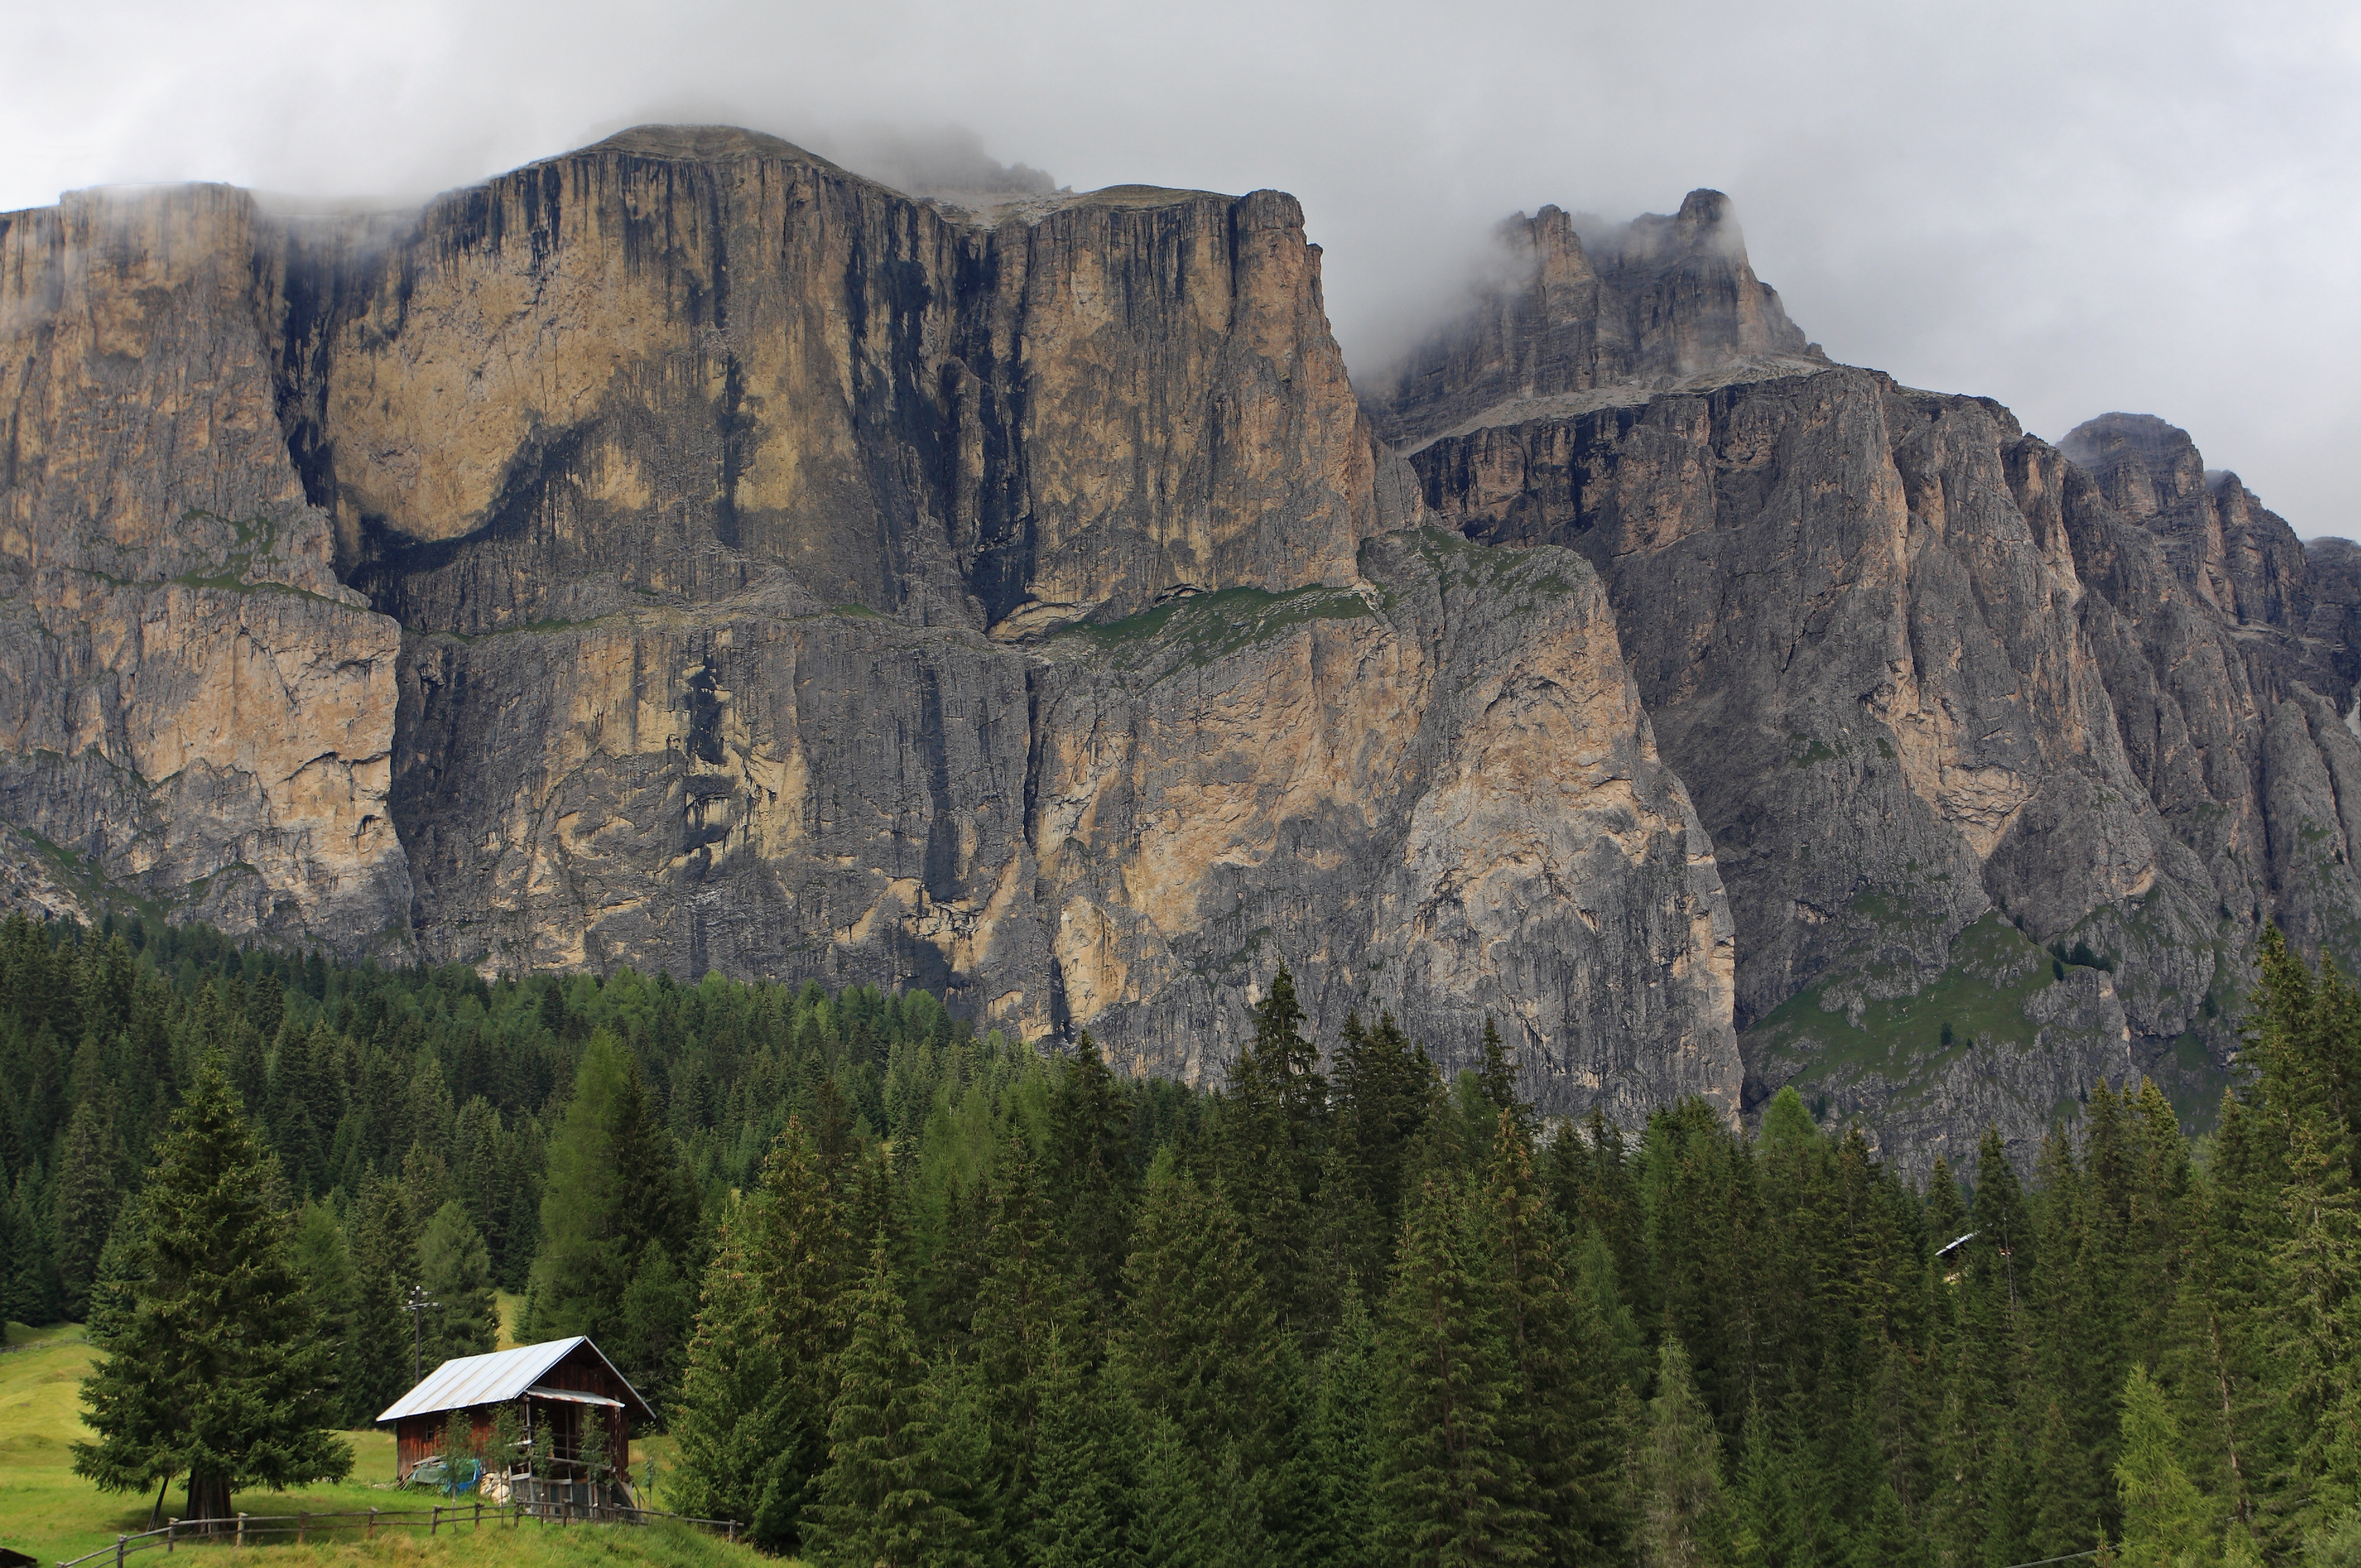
x: 418, y: 1306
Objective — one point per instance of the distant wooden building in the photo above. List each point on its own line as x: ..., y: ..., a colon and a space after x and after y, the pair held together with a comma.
x: 560, y: 1388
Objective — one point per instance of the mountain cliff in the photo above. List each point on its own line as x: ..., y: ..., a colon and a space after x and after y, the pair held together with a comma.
x: 685, y: 552
x: 2005, y: 751
x: 748, y: 566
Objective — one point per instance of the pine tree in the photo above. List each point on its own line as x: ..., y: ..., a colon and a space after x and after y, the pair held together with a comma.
x: 457, y: 1273
x: 879, y: 1499
x: 1679, y: 1472
x: 222, y: 1374
x: 1451, y: 1488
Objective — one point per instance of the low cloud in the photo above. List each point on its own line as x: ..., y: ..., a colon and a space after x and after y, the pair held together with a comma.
x: 2109, y: 204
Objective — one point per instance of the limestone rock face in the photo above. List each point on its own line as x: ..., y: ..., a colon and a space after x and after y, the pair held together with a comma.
x: 1577, y: 306
x: 1916, y: 666
x: 684, y: 552
x: 684, y: 360
x: 2240, y: 559
x: 191, y: 707
x: 1433, y: 792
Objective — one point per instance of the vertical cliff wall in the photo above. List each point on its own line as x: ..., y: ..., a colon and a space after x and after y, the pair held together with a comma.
x: 760, y: 569
x: 191, y: 707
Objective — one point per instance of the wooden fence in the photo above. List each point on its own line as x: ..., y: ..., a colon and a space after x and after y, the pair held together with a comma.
x: 254, y: 1529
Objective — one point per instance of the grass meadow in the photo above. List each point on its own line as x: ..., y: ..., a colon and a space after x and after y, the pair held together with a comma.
x: 53, y: 1514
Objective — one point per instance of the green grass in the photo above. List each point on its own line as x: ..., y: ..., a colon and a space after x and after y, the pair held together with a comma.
x: 1203, y: 627
x: 1995, y: 970
x: 49, y: 1511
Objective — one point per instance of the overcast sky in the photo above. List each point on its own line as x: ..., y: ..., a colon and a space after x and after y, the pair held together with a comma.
x: 2072, y: 205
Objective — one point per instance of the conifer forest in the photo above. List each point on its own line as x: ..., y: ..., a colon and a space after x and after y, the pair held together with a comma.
x: 903, y: 1294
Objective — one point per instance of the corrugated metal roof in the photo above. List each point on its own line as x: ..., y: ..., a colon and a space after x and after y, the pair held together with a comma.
x: 469, y: 1380
x: 480, y: 1379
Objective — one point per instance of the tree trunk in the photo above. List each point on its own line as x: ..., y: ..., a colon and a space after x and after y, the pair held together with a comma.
x: 208, y: 1495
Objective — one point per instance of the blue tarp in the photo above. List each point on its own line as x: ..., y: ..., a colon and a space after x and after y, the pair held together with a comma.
x: 434, y: 1474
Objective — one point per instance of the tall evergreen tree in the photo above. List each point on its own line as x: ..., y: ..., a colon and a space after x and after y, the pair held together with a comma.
x: 881, y: 1503
x: 1451, y: 1489
x: 457, y: 1273
x: 1678, y: 1473
x: 2166, y: 1522
x: 222, y: 1374
x: 1092, y: 1187
x: 89, y: 1188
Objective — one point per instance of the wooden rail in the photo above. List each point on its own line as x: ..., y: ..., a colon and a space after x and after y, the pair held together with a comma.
x: 248, y: 1528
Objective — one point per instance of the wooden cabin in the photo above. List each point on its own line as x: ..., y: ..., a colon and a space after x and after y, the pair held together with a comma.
x: 560, y: 1388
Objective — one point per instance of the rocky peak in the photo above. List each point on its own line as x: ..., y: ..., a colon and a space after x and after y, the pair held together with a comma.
x: 702, y: 144
x: 2143, y: 465
x: 2235, y: 553
x: 1573, y: 304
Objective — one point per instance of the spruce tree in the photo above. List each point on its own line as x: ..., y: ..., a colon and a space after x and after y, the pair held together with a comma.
x: 1069, y: 1510
x: 1024, y: 1301
x: 753, y: 1414
x: 1090, y: 1184
x: 457, y: 1273
x: 748, y: 1441
x: 1451, y: 1487
x: 380, y: 1357
x: 1198, y: 1342
x: 1343, y: 1447
x: 1562, y: 1421
x: 1175, y: 1514
x: 880, y: 1501
x: 89, y: 1189
x: 222, y: 1374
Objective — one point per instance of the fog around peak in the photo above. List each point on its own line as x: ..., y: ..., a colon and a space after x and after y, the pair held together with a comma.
x: 2099, y: 204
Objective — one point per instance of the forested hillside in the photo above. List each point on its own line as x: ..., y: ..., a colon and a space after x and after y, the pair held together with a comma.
x: 909, y: 1295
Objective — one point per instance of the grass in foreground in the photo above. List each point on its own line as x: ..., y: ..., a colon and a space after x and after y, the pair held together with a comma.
x: 52, y: 1514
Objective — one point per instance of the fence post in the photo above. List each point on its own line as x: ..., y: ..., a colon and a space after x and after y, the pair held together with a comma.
x: 171, y: 1528
x: 302, y: 1518
x: 371, y: 1534
x: 118, y: 1551
x: 434, y: 1520
x: 241, y: 1527
x: 479, y: 1509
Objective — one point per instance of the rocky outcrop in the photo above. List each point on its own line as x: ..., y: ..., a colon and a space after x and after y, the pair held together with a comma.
x: 1915, y: 665
x: 1575, y: 310
x: 192, y: 708
x: 700, y: 556
x: 680, y: 362
x: 1432, y: 792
